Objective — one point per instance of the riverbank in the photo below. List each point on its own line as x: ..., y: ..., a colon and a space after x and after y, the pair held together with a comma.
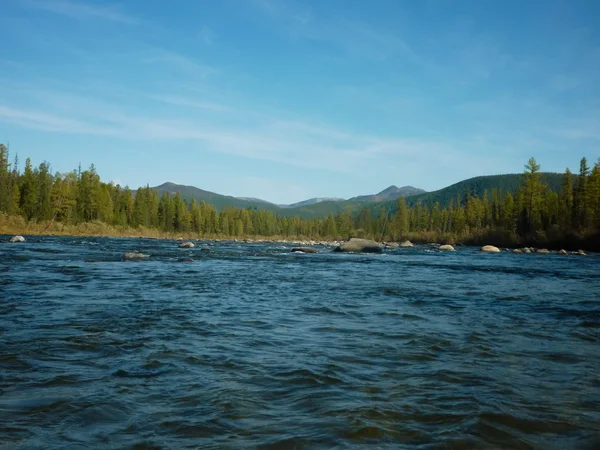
x: 11, y: 225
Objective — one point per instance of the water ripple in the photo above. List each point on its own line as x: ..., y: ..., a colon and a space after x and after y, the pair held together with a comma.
x: 251, y: 346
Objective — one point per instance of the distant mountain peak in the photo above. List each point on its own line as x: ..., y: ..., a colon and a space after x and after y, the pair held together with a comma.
x: 312, y: 201
x: 390, y: 193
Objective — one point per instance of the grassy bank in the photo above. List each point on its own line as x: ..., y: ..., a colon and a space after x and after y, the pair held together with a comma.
x: 13, y: 225
x: 17, y: 225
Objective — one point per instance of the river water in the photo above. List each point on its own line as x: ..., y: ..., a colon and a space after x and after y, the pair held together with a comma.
x: 251, y: 346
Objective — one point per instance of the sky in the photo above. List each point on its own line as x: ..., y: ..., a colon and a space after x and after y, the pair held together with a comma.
x: 285, y: 100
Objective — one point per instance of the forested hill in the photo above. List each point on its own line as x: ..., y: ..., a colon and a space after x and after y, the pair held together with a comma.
x: 507, y: 209
x: 219, y: 201
x: 475, y: 187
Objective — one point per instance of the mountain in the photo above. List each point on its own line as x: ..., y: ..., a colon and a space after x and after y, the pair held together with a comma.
x: 476, y: 187
x: 390, y: 193
x: 312, y: 201
x: 217, y: 200
x: 321, y: 207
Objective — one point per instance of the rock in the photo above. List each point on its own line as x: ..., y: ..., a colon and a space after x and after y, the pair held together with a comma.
x: 134, y: 256
x: 447, y: 248
x: 356, y: 245
x: 17, y: 239
x: 187, y: 245
x: 517, y: 250
x: 406, y: 244
x: 186, y: 260
x: 304, y: 250
x: 205, y: 249
x: 526, y: 250
x: 580, y: 253
x: 543, y: 251
x: 391, y: 245
x: 563, y: 252
x: 490, y: 249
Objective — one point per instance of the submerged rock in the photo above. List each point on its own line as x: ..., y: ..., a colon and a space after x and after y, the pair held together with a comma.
x: 406, y: 244
x: 17, y: 239
x: 187, y: 245
x: 447, y: 248
x: 490, y: 249
x: 134, y: 256
x: 205, y: 249
x: 356, y: 245
x: 186, y: 260
x: 304, y: 250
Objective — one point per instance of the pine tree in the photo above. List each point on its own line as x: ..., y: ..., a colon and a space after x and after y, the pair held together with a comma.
x: 44, y: 183
x: 29, y: 192
x: 565, y: 217
x: 593, y: 199
x: 508, y: 212
x: 5, y: 185
x: 580, y: 198
x: 533, y: 190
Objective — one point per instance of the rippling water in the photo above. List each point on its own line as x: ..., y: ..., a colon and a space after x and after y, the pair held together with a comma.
x: 250, y: 345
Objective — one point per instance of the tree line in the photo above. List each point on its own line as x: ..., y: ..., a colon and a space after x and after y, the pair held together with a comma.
x: 533, y: 212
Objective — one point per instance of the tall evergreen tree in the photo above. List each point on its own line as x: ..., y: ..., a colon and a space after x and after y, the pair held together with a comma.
x: 533, y: 190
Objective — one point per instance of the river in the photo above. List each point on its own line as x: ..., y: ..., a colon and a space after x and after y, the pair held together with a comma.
x: 251, y: 346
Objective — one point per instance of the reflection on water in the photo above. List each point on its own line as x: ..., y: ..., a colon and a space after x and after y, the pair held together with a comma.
x: 249, y: 345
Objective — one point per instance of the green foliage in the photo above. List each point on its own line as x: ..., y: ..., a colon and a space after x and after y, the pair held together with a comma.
x: 468, y: 211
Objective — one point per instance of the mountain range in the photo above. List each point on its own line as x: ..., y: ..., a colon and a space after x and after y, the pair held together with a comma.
x: 322, y: 206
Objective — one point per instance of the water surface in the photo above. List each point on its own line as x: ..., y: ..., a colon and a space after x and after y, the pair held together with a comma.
x: 252, y: 346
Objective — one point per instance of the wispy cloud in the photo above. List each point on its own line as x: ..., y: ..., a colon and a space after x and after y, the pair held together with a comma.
x: 176, y: 60
x: 81, y: 11
x: 207, y: 35
x: 181, y: 101
x: 291, y: 142
x: 260, y: 134
x: 354, y: 37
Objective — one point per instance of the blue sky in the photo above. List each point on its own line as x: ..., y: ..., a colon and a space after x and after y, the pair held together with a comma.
x: 286, y: 100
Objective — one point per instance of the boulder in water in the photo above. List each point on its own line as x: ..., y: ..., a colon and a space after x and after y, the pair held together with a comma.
x: 447, y: 248
x: 392, y: 245
x: 205, y: 249
x: 563, y: 252
x: 304, y: 250
x: 134, y: 256
x: 406, y: 244
x: 490, y: 249
x: 580, y: 253
x: 517, y: 250
x: 356, y: 245
x: 543, y: 251
x: 526, y: 250
x: 17, y: 239
x: 187, y: 245
x: 186, y: 260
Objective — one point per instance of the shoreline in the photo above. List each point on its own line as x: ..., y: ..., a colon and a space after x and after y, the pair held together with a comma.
x: 179, y: 237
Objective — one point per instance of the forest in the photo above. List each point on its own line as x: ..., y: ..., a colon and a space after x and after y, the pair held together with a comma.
x: 77, y: 202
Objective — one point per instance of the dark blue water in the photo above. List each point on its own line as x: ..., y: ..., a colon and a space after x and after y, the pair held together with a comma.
x: 252, y: 346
